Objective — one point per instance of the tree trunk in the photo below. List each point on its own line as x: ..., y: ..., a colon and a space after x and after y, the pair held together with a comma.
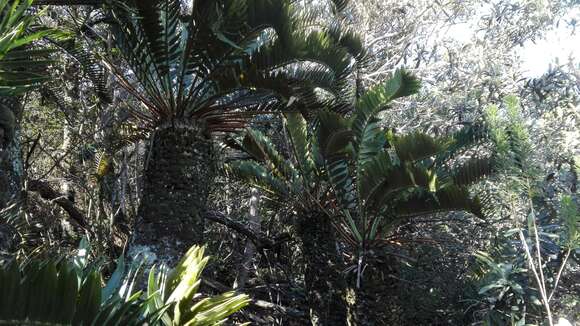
x: 374, y: 304
x: 178, y: 174
x: 11, y: 169
x: 324, y: 284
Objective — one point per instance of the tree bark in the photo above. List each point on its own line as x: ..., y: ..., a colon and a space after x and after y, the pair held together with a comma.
x: 177, y: 177
x: 373, y: 304
x: 324, y: 284
x: 11, y: 168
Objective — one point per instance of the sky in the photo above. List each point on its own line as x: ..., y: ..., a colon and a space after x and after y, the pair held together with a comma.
x: 561, y: 43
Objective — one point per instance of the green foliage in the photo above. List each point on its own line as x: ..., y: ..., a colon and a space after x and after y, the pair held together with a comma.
x: 227, y: 59
x: 508, y: 284
x: 509, y: 135
x: 178, y: 288
x: 503, y: 290
x: 570, y: 216
x: 70, y: 292
x: 21, y: 67
x: 381, y: 179
x: 375, y: 181
x: 57, y: 292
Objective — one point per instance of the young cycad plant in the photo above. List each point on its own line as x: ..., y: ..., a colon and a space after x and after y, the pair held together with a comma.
x: 356, y: 177
x: 301, y: 184
x: 205, y: 69
x: 298, y: 186
x: 380, y: 179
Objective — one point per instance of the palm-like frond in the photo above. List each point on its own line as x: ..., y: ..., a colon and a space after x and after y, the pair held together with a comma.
x: 221, y: 59
x: 261, y: 177
x: 417, y: 146
x: 302, y: 147
x: 450, y: 198
x: 263, y: 150
x: 21, y: 68
x: 396, y: 176
x: 78, y: 50
x: 177, y: 288
x: 63, y: 292
x: 369, y: 139
x: 56, y: 293
x: 473, y: 170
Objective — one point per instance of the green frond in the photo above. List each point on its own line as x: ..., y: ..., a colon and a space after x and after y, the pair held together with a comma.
x: 315, y: 47
x: 450, y: 198
x: 334, y: 134
x: 301, y: 144
x: 467, y: 137
x: 372, y: 141
x: 472, y: 171
x: 89, y: 63
x: 334, y: 137
x: 395, y: 182
x: 49, y: 293
x: 400, y: 85
x: 263, y: 150
x: 372, y: 173
x: 179, y: 286
x: 340, y: 177
x: 417, y: 146
x: 257, y: 175
x: 22, y: 68
x: 375, y: 100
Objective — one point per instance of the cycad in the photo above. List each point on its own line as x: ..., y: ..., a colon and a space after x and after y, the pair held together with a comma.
x: 298, y: 186
x: 380, y: 179
x: 204, y: 70
x: 357, y: 176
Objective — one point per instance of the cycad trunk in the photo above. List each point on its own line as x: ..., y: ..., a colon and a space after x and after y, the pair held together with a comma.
x: 11, y: 170
x: 325, y: 286
x: 177, y: 178
x: 374, y: 303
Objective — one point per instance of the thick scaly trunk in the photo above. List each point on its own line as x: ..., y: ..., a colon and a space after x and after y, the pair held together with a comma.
x: 177, y: 178
x: 11, y: 170
x: 372, y: 304
x: 324, y: 283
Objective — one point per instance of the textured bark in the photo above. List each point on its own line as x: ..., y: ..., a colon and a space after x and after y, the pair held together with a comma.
x: 177, y: 178
x: 373, y: 304
x: 11, y: 169
x: 324, y: 284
